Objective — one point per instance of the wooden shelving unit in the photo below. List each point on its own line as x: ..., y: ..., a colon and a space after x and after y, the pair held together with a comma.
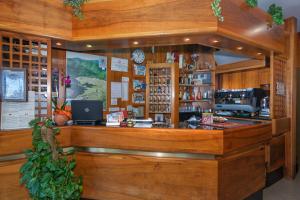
x: 33, y: 54
x: 194, y: 94
x: 162, y: 94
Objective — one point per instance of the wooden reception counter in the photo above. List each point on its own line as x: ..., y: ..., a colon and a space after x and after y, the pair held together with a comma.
x: 152, y: 164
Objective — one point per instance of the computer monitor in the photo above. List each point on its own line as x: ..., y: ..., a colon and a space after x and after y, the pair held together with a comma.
x: 87, y: 112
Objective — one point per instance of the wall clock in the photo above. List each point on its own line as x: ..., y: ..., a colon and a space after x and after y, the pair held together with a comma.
x: 138, y: 56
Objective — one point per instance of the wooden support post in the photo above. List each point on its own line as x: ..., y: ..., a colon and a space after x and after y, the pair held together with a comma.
x: 291, y: 51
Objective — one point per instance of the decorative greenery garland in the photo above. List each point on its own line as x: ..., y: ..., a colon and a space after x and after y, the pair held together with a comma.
x: 217, y: 9
x: 76, y: 6
x: 48, y: 174
x: 252, y: 3
x: 275, y: 11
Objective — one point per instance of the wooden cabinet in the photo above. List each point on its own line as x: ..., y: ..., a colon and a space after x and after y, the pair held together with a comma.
x: 162, y: 94
x: 242, y: 174
x: 33, y: 54
x: 276, y: 153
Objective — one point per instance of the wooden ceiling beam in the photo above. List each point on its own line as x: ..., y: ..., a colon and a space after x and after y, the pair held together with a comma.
x: 241, y: 66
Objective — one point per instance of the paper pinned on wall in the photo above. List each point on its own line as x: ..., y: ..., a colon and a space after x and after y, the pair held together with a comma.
x: 114, y: 102
x: 119, y: 64
x: 129, y: 108
x: 125, y: 87
x: 114, y: 109
x: 116, y: 90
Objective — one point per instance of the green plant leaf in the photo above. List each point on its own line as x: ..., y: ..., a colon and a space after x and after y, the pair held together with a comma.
x: 44, y: 177
x: 217, y: 10
x: 76, y: 6
x: 252, y: 3
x: 277, y: 14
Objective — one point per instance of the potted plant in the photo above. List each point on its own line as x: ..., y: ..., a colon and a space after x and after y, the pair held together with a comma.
x: 48, y: 173
x: 61, y: 111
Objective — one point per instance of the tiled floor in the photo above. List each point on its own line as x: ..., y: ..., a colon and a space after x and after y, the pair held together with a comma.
x: 284, y: 190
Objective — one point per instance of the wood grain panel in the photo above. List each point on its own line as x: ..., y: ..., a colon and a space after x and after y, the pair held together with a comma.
x: 129, y: 18
x: 280, y: 126
x: 250, y: 25
x: 39, y: 17
x: 242, y: 174
x: 239, y: 138
x: 15, y: 142
x: 241, y: 66
x: 298, y: 51
x: 244, y: 79
x: 9, y: 181
x: 161, y: 140
x: 120, y: 177
x: 291, y: 95
x: 277, y: 153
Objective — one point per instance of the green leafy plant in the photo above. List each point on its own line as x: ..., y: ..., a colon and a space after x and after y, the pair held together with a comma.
x: 276, y: 13
x: 48, y: 173
x: 76, y: 6
x: 251, y: 3
x: 217, y: 9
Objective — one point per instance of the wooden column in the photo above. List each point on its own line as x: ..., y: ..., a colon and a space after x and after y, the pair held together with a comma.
x: 291, y: 51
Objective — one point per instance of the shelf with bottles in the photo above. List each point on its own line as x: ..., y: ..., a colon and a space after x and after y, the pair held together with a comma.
x: 196, y: 85
x: 192, y: 94
x: 191, y: 101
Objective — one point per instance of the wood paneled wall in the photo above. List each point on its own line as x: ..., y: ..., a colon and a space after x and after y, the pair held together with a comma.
x: 244, y: 79
x: 298, y: 51
x: 155, y: 55
x: 42, y: 17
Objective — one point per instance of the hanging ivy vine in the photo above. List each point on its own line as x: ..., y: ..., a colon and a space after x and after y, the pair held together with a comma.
x: 275, y: 11
x: 48, y: 173
x: 252, y: 3
x: 217, y: 9
x: 76, y: 7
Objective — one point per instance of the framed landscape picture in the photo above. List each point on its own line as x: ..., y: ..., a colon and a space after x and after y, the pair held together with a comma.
x: 88, y: 77
x: 13, y: 84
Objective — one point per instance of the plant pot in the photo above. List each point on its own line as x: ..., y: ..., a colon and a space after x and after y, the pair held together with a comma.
x: 60, y: 120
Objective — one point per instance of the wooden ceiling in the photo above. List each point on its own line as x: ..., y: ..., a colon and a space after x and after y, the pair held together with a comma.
x: 123, y: 23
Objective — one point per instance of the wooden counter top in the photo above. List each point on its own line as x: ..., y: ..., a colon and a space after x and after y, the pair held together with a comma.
x: 215, y: 142
x: 212, y: 160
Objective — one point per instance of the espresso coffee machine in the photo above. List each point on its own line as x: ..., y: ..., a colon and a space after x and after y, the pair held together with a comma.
x: 239, y: 102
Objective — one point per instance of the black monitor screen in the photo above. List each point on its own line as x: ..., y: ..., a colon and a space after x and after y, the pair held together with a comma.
x: 87, y: 110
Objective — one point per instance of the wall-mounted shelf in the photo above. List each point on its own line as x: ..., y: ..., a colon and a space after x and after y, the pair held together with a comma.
x: 162, y: 93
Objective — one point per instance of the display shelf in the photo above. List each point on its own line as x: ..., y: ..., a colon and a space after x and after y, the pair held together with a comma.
x: 197, y: 82
x: 188, y: 101
x: 162, y: 92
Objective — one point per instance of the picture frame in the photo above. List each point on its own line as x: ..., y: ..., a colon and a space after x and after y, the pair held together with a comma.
x: 139, y: 85
x: 139, y: 70
x: 13, y: 84
x: 138, y: 98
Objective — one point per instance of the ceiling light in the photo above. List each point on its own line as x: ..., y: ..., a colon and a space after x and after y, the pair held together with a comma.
x: 187, y: 39
x: 239, y: 48
x: 215, y: 41
x: 58, y: 44
x: 89, y: 46
x: 135, y: 42
x: 259, y: 53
